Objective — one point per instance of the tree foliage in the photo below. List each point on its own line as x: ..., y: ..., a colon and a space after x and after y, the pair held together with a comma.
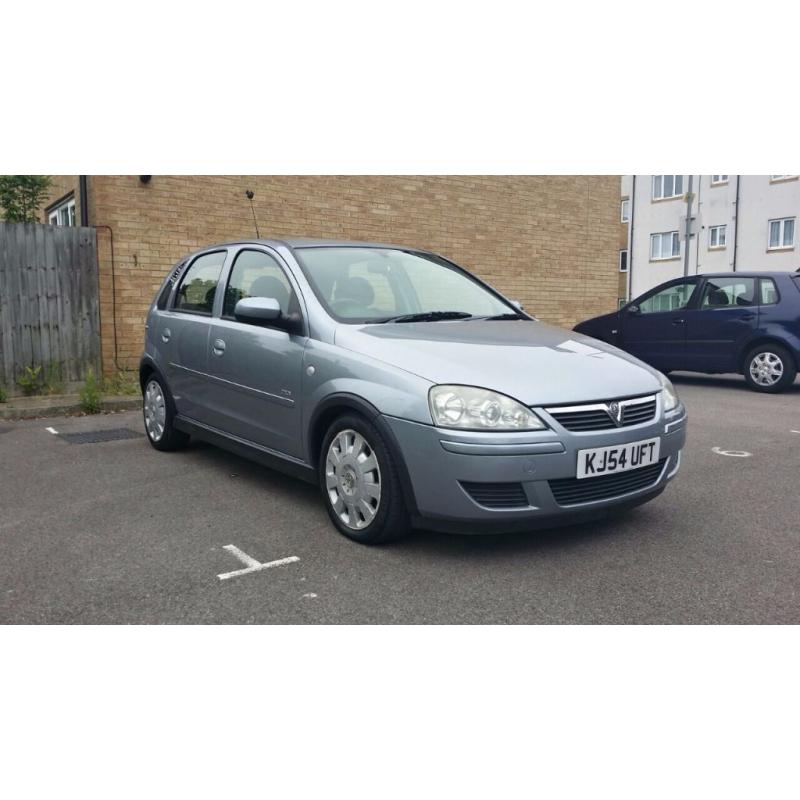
x: 21, y: 196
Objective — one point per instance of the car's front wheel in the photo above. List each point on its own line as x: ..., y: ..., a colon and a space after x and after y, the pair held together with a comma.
x: 769, y: 368
x: 159, y: 416
x: 359, y: 480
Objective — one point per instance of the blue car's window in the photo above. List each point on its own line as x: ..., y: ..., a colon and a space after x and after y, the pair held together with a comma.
x: 725, y: 292
x: 670, y: 299
x: 769, y: 292
x: 370, y: 284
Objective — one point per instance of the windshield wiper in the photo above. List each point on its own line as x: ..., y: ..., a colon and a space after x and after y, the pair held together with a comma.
x: 428, y: 316
x: 509, y: 315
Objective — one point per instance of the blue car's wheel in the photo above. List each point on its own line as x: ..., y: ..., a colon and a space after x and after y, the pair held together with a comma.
x: 769, y: 368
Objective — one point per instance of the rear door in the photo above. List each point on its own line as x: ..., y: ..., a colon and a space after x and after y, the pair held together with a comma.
x: 256, y: 370
x: 653, y: 327
x: 183, y: 333
x: 725, y: 317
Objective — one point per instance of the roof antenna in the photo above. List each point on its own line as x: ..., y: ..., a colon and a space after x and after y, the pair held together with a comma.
x: 250, y: 194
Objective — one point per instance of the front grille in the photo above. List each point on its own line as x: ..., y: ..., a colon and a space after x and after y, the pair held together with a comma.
x: 638, y: 412
x: 570, y: 491
x: 496, y: 495
x: 598, y: 417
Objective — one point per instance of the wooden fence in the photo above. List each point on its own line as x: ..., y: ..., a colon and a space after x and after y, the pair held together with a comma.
x: 49, y: 306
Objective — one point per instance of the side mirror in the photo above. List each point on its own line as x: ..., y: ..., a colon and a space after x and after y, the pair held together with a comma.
x: 633, y: 310
x: 267, y: 311
x: 257, y: 309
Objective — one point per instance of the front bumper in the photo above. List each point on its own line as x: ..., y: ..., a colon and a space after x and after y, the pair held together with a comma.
x: 441, y: 462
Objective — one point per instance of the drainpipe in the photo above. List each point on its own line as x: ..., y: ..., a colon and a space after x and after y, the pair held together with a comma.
x: 736, y: 223
x: 630, y: 240
x: 84, y: 200
x: 113, y: 295
x: 688, y: 237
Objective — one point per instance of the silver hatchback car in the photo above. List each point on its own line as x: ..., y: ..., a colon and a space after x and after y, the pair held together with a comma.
x: 413, y: 393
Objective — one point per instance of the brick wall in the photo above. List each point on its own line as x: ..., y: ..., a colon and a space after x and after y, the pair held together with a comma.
x: 549, y: 241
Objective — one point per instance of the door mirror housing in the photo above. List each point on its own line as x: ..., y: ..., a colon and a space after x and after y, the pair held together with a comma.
x: 257, y: 309
x: 267, y: 311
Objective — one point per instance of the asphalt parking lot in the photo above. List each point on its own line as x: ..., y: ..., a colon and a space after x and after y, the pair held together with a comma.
x: 114, y: 532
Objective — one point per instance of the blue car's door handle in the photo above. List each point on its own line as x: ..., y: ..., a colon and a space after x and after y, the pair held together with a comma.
x: 748, y: 316
x: 678, y: 321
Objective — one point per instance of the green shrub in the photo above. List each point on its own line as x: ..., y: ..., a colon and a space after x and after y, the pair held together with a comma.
x: 31, y: 380
x: 3, y: 396
x: 91, y: 396
x: 53, y: 381
x: 121, y: 383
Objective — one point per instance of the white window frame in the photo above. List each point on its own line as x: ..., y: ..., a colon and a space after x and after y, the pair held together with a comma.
x: 673, y: 253
x: 719, y: 180
x: 625, y: 251
x: 625, y: 211
x: 657, y: 187
x: 722, y: 234
x: 781, y: 234
x: 779, y: 178
x: 63, y: 214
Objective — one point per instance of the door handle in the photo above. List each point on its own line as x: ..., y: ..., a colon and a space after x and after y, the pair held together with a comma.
x: 748, y: 316
x: 678, y: 321
x: 218, y: 347
x: 166, y: 334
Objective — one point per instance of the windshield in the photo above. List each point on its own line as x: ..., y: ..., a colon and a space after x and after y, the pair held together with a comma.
x: 371, y: 284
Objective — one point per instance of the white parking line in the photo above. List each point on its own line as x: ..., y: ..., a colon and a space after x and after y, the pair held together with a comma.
x: 51, y: 430
x: 252, y: 564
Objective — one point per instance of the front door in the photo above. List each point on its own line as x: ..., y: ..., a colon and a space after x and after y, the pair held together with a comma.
x: 725, y: 317
x: 256, y: 370
x: 653, y: 327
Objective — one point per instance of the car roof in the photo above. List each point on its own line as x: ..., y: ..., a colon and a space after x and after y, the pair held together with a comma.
x: 298, y: 242
x: 744, y: 274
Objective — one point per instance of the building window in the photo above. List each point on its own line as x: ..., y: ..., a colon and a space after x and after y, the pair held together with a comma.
x: 625, y: 211
x: 716, y: 237
x: 781, y: 234
x: 63, y: 213
x: 666, y: 186
x: 623, y: 260
x: 775, y: 178
x: 716, y: 180
x: 664, y: 245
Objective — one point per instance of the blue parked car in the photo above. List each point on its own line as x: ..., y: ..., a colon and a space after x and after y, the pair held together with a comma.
x: 745, y: 322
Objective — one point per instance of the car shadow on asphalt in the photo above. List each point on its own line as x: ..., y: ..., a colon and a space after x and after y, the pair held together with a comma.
x: 729, y: 381
x: 433, y: 543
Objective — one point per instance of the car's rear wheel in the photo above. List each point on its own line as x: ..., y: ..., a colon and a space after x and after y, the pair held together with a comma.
x: 769, y: 368
x: 360, y: 484
x: 159, y: 417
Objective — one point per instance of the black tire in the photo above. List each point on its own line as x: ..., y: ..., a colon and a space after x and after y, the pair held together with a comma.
x: 390, y: 521
x: 170, y: 438
x: 787, y: 365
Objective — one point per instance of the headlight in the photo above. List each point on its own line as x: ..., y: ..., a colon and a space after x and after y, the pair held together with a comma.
x: 668, y: 393
x: 470, y: 408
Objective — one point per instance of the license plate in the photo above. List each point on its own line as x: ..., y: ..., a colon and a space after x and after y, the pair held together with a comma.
x: 618, y: 458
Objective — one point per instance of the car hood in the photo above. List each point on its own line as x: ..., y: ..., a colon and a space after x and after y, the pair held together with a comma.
x: 535, y: 363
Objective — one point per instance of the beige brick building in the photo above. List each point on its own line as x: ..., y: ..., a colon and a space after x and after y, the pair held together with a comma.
x: 550, y: 241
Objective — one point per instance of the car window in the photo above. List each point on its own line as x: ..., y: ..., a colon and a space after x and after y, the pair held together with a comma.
x: 365, y: 284
x: 199, y: 285
x: 670, y: 299
x: 724, y: 292
x: 257, y: 274
x: 769, y: 292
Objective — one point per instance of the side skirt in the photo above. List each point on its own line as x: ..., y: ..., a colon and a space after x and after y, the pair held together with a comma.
x: 250, y: 450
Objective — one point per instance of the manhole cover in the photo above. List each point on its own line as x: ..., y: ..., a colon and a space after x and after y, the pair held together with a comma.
x: 95, y: 437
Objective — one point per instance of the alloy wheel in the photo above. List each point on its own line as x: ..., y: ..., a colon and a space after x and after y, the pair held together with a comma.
x: 766, y: 369
x: 155, y: 411
x: 353, y: 479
